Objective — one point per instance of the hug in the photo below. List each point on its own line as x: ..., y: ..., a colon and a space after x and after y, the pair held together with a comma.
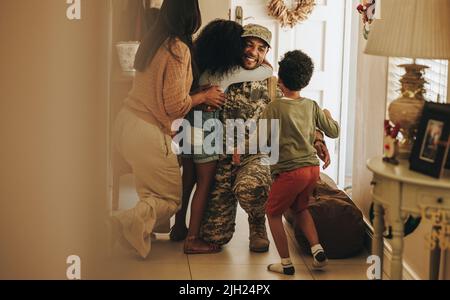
x: 224, y: 74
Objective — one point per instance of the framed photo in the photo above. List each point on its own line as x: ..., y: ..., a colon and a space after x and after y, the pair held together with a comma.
x: 430, y: 151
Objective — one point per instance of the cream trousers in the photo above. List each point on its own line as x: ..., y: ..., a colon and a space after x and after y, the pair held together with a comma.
x: 157, y: 175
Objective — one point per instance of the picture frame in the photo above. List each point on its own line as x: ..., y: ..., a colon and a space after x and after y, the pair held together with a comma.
x: 447, y: 165
x: 430, y: 153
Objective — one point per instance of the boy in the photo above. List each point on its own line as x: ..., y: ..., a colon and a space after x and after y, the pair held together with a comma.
x: 297, y: 169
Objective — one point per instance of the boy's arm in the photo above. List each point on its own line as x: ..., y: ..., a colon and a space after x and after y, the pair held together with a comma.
x: 326, y: 123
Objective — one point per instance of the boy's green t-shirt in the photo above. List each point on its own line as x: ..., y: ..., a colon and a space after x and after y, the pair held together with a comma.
x: 298, y: 121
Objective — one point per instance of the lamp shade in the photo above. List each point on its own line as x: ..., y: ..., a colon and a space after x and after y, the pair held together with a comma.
x: 411, y: 28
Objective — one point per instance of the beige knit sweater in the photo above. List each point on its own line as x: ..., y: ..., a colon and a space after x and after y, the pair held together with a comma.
x: 160, y: 94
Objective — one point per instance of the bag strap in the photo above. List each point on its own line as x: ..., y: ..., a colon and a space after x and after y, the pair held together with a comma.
x: 272, y: 88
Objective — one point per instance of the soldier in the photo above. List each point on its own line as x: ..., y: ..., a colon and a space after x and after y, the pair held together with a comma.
x: 249, y: 181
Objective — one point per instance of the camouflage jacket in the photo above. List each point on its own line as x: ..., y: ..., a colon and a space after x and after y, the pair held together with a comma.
x: 245, y: 101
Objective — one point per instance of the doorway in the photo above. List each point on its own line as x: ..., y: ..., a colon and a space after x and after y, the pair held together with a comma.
x: 328, y: 36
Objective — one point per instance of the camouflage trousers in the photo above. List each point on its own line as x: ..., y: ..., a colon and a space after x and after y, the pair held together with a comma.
x: 247, y: 184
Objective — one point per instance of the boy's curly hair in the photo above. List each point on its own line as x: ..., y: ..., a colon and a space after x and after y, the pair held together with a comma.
x: 219, y: 47
x: 296, y: 69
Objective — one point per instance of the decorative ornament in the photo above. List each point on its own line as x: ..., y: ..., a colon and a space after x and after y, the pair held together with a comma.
x: 367, y: 9
x: 291, y: 17
x: 390, y: 142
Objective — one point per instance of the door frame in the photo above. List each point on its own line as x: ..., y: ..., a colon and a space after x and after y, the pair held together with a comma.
x: 348, y: 97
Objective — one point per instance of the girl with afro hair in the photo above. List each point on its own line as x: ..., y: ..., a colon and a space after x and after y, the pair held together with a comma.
x: 218, y: 54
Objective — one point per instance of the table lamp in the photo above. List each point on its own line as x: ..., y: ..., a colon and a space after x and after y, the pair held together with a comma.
x: 413, y: 29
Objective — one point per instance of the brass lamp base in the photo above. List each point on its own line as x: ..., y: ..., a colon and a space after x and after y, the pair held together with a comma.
x: 406, y: 111
x: 406, y: 144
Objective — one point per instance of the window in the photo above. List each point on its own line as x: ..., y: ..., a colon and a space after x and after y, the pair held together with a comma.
x: 436, y: 76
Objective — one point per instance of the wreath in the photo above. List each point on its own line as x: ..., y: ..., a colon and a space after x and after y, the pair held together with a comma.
x: 290, y: 17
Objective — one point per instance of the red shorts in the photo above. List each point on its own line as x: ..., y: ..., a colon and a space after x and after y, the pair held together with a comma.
x: 292, y: 189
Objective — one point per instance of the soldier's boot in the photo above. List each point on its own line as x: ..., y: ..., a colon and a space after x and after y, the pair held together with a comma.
x: 258, y: 238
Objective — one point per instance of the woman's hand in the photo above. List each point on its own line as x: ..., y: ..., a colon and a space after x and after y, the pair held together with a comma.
x: 214, y: 97
x: 210, y: 96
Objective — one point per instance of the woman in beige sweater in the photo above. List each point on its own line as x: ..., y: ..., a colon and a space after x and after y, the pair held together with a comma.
x: 161, y: 94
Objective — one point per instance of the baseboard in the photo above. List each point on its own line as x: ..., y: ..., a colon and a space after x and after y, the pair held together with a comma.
x: 408, y: 272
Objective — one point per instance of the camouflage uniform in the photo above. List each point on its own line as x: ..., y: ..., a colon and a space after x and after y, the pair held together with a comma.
x: 247, y: 183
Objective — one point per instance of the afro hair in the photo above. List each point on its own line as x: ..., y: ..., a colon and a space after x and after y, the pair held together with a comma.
x: 296, y: 69
x: 219, y: 47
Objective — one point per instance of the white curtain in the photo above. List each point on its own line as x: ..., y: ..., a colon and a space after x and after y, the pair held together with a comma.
x: 370, y: 114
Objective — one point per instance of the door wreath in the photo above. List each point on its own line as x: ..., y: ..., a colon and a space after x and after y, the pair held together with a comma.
x: 291, y: 17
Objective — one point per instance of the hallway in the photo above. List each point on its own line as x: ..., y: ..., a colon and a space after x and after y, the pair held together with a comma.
x: 168, y: 262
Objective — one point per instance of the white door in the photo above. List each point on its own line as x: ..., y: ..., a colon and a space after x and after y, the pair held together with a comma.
x: 321, y: 37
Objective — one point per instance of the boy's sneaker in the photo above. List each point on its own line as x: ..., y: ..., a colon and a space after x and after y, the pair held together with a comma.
x: 285, y: 267
x: 320, y: 259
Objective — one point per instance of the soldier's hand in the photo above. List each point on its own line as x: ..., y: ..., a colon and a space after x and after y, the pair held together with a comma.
x: 322, y: 152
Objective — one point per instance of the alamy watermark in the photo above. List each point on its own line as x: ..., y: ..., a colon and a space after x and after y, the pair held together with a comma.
x: 207, y: 136
x: 374, y: 270
x: 73, y: 12
x: 73, y: 271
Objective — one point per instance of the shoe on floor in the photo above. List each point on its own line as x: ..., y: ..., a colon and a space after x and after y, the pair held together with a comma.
x: 320, y: 259
x: 258, y: 239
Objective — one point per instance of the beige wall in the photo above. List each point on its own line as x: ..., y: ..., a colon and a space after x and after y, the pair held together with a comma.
x: 214, y: 9
x: 53, y: 136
